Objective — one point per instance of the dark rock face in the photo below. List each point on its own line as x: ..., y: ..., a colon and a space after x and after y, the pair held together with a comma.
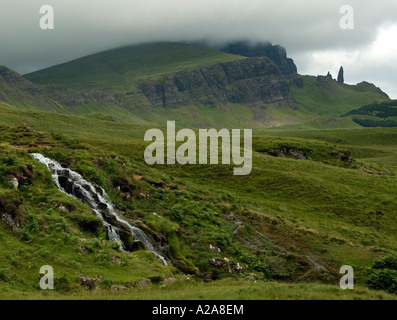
x: 11, y: 76
x: 341, y: 78
x: 276, y: 53
x: 298, y: 82
x: 245, y: 81
x: 256, y: 81
x: 323, y: 82
x: 295, y: 153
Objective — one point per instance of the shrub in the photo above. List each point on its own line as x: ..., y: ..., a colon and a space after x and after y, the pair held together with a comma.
x: 387, y: 263
x: 385, y: 279
x: 383, y: 275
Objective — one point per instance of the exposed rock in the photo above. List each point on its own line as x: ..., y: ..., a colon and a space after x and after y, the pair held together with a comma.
x: 117, y: 260
x: 323, y: 82
x: 130, y: 284
x: 13, y: 180
x: 216, y: 262
x: 143, y: 283
x: 63, y: 209
x: 118, y: 288
x: 84, y: 250
x: 11, y: 215
x: 295, y: 153
x: 276, y: 53
x: 341, y: 78
x: 138, y: 245
x: 247, y: 81
x: 298, y: 82
x: 144, y: 195
x: 89, y: 283
x: 207, y: 277
x: 15, y: 183
x: 215, y: 248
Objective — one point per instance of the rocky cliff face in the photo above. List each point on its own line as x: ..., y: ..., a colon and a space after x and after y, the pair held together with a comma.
x: 256, y: 81
x: 276, y: 53
x: 247, y: 81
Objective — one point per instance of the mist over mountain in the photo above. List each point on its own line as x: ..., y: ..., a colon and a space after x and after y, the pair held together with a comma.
x: 239, y: 84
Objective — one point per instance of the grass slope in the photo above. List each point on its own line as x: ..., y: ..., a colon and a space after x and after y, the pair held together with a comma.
x: 118, y: 69
x: 322, y: 104
x: 297, y: 216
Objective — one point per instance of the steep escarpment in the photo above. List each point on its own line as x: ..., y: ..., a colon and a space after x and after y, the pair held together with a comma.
x: 248, y: 81
x: 253, y: 81
x: 276, y: 53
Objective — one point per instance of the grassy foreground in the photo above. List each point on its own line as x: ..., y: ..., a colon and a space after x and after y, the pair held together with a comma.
x: 291, y: 221
x: 220, y: 290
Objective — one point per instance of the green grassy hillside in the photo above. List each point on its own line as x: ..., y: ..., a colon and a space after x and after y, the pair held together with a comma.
x: 376, y: 115
x: 323, y: 102
x: 290, y: 221
x: 140, y: 84
x: 119, y: 69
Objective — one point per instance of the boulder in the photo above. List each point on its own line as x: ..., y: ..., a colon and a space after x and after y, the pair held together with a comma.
x: 89, y: 283
x: 118, y: 288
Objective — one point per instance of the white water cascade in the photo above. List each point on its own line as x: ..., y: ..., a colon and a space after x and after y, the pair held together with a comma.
x: 74, y: 185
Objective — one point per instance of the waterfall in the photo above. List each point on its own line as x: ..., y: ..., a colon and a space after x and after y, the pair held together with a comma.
x: 74, y: 185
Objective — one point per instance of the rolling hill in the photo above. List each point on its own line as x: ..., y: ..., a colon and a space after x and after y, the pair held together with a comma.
x: 315, y: 200
x: 194, y: 85
x: 118, y: 69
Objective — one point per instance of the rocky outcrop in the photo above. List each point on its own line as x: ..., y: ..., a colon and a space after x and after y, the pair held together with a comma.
x: 276, y: 53
x: 341, y: 78
x: 247, y: 81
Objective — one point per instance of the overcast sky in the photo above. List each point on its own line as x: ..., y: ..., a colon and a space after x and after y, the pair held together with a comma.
x: 308, y: 29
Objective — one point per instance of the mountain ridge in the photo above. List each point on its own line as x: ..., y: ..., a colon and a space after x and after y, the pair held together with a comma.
x: 195, y: 85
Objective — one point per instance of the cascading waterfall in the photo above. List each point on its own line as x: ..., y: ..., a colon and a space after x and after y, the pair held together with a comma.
x: 74, y: 185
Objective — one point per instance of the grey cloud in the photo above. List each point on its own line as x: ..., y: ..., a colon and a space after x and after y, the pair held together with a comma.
x: 84, y: 27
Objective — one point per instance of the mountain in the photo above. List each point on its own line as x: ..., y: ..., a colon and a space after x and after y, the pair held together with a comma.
x: 117, y: 70
x: 315, y: 200
x: 15, y: 89
x: 194, y: 85
x: 276, y: 53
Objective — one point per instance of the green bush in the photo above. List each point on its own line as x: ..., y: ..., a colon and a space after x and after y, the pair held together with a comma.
x: 387, y: 263
x: 383, y: 275
x: 385, y: 279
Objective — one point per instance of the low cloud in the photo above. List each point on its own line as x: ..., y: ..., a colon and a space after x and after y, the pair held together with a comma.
x: 309, y: 29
